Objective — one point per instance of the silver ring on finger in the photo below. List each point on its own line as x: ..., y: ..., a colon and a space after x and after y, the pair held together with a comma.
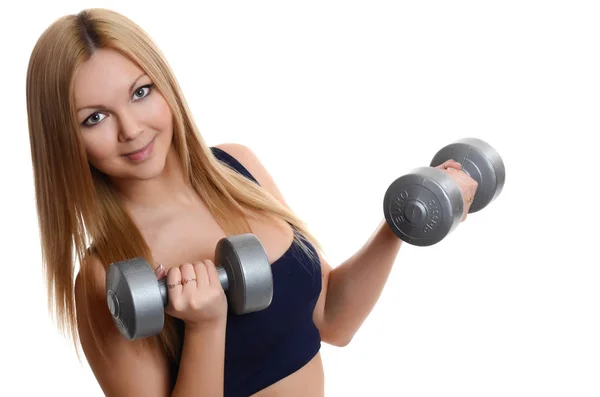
x: 171, y: 286
x: 187, y: 280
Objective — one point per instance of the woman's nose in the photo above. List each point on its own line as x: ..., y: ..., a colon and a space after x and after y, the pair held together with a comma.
x: 130, y: 128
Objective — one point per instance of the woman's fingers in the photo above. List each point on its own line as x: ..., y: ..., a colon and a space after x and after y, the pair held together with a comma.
x: 213, y: 274
x: 160, y: 272
x: 450, y: 164
x: 189, y: 279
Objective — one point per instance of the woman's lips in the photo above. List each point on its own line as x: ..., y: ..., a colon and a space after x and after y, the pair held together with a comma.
x: 143, y: 153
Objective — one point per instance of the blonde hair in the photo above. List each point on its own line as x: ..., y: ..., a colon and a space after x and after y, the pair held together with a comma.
x: 77, y: 206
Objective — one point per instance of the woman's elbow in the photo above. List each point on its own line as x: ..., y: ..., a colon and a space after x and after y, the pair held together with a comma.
x: 338, y: 339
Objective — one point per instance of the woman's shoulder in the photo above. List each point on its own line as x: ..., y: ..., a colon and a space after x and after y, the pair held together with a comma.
x: 238, y: 153
x: 248, y: 158
x: 236, y: 157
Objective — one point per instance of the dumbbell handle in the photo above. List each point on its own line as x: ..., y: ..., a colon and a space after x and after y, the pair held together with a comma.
x: 480, y: 161
x: 466, y: 172
x: 162, y: 284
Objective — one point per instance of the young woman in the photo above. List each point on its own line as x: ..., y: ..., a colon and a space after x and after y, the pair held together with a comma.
x: 121, y: 171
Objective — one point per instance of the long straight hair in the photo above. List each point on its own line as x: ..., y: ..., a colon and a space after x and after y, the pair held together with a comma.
x: 79, y: 211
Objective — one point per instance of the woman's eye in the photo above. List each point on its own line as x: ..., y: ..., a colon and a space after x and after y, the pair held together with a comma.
x: 94, y: 119
x: 142, y: 91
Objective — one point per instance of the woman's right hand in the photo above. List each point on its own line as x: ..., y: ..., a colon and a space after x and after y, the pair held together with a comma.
x: 195, y: 294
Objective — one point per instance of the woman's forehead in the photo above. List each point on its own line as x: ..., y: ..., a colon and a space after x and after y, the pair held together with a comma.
x: 107, y: 75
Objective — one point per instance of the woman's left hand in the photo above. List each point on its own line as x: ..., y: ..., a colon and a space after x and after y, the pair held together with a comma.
x: 467, y: 185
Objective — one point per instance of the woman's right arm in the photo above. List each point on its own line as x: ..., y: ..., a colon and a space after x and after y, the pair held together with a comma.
x: 125, y: 368
x: 202, y: 362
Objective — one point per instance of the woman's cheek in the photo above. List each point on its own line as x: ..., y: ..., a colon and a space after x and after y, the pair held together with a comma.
x: 99, y: 146
x: 158, y: 112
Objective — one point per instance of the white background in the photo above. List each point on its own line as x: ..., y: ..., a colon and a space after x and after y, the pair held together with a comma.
x: 338, y: 99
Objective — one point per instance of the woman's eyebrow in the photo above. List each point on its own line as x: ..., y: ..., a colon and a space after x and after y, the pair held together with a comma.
x: 130, y: 91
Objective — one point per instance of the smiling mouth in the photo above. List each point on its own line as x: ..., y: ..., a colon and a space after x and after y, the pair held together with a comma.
x: 140, y: 149
x: 141, y: 153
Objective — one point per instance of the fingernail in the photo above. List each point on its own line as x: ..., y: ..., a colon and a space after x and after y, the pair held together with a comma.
x: 159, y: 269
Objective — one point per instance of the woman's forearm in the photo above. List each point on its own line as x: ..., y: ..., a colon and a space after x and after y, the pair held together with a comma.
x: 202, y: 363
x: 355, y: 286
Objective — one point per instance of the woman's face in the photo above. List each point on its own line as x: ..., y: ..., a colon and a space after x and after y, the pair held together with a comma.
x: 125, y: 122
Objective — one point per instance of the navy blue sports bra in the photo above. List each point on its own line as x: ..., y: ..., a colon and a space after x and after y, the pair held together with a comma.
x: 263, y: 347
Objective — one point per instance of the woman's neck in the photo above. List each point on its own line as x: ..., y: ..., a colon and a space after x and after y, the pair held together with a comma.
x: 167, y: 190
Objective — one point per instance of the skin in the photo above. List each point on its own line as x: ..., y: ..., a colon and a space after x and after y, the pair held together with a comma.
x: 180, y: 230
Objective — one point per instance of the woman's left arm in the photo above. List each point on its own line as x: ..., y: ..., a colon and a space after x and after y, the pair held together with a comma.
x: 351, y: 290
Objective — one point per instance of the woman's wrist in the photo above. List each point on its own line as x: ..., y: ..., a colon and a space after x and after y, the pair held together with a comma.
x: 205, y: 327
